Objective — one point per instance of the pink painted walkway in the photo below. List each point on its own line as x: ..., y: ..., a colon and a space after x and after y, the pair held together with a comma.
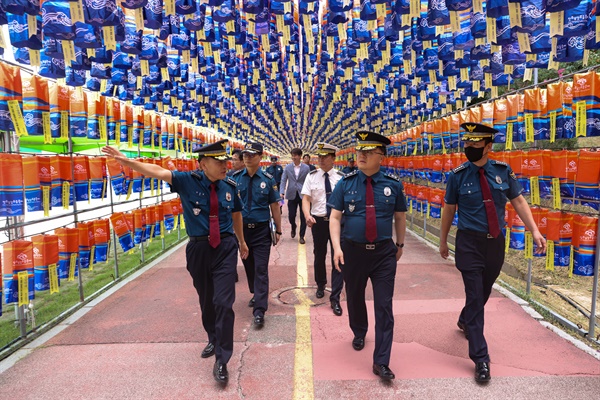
x: 144, y: 342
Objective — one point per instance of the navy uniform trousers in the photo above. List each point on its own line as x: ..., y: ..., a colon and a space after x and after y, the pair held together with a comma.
x: 479, y: 260
x: 380, y: 266
x: 257, y: 265
x: 320, y: 233
x: 213, y: 272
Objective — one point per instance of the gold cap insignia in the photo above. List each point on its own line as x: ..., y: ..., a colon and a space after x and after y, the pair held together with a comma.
x: 224, y: 144
x: 320, y: 145
x: 363, y: 136
x: 470, y: 128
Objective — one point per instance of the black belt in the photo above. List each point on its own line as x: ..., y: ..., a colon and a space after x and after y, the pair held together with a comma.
x: 368, y: 246
x: 476, y: 233
x: 205, y: 238
x: 256, y: 225
x: 323, y: 218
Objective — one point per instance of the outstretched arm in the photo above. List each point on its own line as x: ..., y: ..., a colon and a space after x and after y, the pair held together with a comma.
x: 149, y: 170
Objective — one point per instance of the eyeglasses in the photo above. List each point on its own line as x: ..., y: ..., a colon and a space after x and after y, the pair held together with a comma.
x: 368, y: 152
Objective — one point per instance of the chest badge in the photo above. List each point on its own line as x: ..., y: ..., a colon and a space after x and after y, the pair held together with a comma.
x: 263, y: 185
x: 228, y: 196
x: 387, y: 191
x: 351, y: 207
x: 498, y: 180
x: 196, y: 211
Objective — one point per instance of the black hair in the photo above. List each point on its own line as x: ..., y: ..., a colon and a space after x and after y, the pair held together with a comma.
x: 296, y: 152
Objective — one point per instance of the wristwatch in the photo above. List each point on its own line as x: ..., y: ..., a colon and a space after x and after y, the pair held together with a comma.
x: 400, y: 245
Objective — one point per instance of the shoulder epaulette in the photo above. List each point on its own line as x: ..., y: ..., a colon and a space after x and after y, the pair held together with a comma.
x: 351, y: 174
x: 230, y: 181
x: 196, y: 174
x: 268, y: 175
x: 392, y: 176
x: 239, y: 171
x: 460, y: 168
x: 500, y: 163
x: 314, y: 171
x: 340, y: 173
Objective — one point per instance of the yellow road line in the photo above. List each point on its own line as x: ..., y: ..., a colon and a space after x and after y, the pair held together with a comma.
x: 303, y: 364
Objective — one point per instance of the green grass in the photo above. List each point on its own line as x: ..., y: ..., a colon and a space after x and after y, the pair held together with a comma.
x: 49, y: 306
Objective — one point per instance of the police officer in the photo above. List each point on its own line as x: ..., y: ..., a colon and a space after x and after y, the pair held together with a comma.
x: 275, y: 170
x: 259, y: 194
x: 350, y: 167
x: 306, y: 160
x: 212, y: 213
x: 372, y: 203
x: 316, y: 191
x: 236, y: 162
x: 480, y: 188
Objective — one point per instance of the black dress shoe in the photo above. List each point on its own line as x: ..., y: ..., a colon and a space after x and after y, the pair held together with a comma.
x: 320, y: 293
x: 220, y: 372
x: 384, y: 372
x: 259, y: 321
x: 208, y: 351
x: 251, y: 302
x: 358, y: 343
x: 337, y: 309
x: 482, y: 372
x: 463, y: 328
x: 302, y: 241
x: 293, y: 233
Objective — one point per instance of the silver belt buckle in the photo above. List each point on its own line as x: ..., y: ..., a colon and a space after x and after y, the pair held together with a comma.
x: 489, y: 236
x: 251, y: 226
x: 370, y: 246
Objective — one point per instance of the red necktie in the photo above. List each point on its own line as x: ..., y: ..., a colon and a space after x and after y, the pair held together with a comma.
x: 490, y: 208
x: 371, y: 222
x: 214, y: 234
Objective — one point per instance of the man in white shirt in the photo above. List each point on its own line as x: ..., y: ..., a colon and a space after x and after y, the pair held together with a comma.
x: 316, y: 191
x: 292, y: 180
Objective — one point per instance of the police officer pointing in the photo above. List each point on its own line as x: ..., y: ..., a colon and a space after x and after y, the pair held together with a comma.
x: 212, y: 212
x: 480, y: 188
x: 372, y: 203
x: 259, y: 194
x: 316, y: 191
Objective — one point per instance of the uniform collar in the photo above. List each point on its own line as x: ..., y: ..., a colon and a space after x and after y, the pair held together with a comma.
x: 258, y: 172
x: 476, y: 168
x: 330, y: 172
x: 375, y: 177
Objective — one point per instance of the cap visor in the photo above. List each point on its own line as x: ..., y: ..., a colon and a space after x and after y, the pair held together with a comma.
x: 221, y: 158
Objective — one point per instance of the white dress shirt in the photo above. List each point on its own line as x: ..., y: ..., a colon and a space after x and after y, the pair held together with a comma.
x: 314, y: 186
